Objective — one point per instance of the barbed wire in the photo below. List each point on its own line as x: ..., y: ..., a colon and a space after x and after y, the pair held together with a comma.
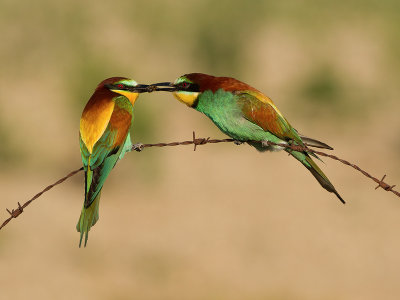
x: 14, y: 213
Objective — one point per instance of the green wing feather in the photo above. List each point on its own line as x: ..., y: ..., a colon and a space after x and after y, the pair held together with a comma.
x: 97, y: 166
x: 251, y: 116
x: 260, y: 110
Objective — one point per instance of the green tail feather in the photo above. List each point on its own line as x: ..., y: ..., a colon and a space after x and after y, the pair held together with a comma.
x: 88, y: 218
x: 307, y: 161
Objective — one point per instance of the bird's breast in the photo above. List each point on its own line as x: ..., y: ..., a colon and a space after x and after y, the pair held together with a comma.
x: 120, y: 122
x: 94, y: 120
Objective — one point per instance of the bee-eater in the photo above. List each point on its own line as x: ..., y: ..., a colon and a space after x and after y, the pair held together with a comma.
x: 246, y: 115
x: 104, y: 138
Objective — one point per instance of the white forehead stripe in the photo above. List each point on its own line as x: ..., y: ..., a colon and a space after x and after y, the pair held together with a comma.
x: 128, y: 82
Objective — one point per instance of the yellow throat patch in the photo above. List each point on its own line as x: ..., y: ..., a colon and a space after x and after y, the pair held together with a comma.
x: 130, y: 95
x: 187, y: 98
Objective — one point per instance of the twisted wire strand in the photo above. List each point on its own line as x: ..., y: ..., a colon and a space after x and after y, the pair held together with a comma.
x: 14, y: 213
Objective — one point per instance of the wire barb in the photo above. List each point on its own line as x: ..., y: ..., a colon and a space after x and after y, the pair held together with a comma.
x: 384, y: 185
x: 197, y: 142
x: 14, y: 213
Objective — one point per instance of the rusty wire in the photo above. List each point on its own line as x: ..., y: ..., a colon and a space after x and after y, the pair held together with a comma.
x: 14, y: 213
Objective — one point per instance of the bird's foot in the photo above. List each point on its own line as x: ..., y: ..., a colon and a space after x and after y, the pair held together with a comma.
x: 265, y: 144
x: 236, y: 142
x: 137, y: 147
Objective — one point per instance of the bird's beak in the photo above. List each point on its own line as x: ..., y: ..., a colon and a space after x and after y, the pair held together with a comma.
x: 163, y: 86
x: 148, y: 88
x: 140, y: 88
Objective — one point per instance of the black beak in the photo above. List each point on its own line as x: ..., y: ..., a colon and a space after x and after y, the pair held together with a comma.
x: 145, y: 88
x: 140, y: 88
x: 148, y: 88
x: 169, y: 87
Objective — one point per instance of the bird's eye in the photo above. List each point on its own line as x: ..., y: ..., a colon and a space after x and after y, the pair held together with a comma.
x: 185, y: 85
x: 121, y: 86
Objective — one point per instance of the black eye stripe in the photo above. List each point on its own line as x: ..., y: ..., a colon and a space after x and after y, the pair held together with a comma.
x: 190, y: 87
x: 122, y: 87
x: 184, y: 85
x: 119, y: 86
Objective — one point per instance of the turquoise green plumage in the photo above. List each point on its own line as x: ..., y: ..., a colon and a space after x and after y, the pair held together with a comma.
x: 246, y: 115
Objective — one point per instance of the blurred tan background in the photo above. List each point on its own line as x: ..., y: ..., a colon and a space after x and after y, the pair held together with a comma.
x: 224, y: 222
